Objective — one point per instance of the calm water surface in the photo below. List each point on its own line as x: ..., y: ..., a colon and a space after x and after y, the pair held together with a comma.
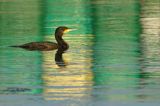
x: 113, y: 59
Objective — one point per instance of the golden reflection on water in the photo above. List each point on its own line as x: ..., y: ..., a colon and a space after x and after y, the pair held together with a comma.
x: 151, y: 34
x: 73, y: 80
x: 150, y: 23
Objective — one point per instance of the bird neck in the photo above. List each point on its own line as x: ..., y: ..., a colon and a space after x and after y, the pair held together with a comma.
x: 61, y: 43
x: 59, y: 39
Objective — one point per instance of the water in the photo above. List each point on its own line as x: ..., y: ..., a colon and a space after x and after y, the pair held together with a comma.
x: 113, y: 57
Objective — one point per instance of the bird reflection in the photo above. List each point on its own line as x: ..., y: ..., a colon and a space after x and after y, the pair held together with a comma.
x: 59, y: 58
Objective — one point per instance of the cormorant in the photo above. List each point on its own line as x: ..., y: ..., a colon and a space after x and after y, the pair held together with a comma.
x: 46, y: 46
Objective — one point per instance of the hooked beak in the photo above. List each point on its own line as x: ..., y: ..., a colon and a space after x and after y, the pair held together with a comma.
x: 68, y: 30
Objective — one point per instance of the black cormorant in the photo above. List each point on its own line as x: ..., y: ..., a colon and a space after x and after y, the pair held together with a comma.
x: 46, y: 46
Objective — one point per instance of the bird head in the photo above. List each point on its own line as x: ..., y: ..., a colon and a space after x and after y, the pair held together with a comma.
x: 63, y: 29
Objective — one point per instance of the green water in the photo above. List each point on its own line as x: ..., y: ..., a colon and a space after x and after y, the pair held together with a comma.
x: 113, y: 57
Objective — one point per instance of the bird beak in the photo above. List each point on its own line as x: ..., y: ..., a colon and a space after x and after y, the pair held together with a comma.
x: 68, y: 30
